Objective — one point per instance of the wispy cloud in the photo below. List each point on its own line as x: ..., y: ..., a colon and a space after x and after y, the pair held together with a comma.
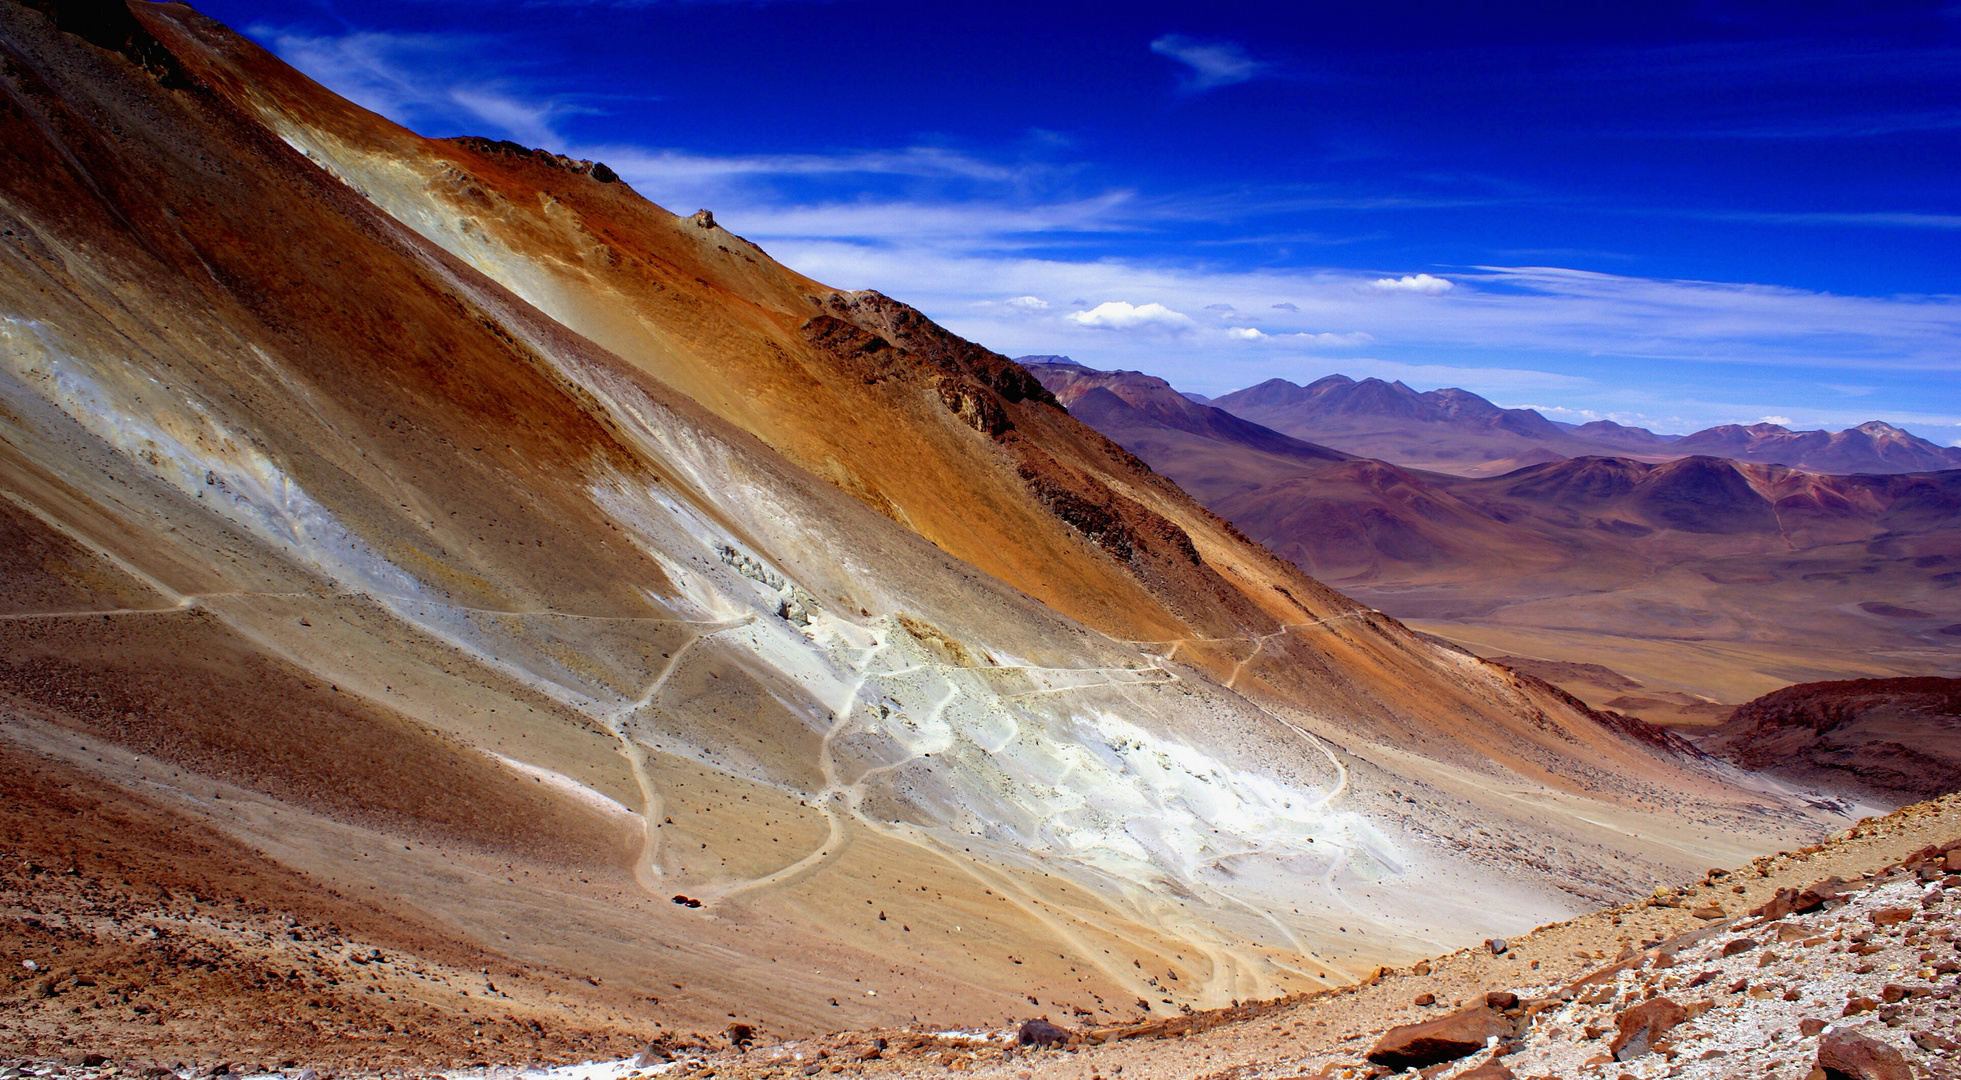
x: 1862, y: 219
x: 411, y: 78
x: 1210, y: 64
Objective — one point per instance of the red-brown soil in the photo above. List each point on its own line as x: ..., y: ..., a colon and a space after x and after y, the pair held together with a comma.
x: 160, y: 940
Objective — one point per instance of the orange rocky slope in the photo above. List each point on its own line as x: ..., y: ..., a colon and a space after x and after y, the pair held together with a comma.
x: 465, y: 533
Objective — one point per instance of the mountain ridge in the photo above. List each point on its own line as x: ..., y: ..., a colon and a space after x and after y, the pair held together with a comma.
x: 1466, y: 434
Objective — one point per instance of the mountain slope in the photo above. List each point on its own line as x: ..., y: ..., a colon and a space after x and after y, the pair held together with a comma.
x: 459, y: 530
x: 1896, y: 738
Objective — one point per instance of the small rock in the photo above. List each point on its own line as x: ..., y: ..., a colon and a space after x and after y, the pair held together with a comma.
x: 1858, y: 1005
x: 1810, y: 1026
x: 740, y: 1035
x: 1738, y: 946
x: 1490, y: 1070
x: 1426, y: 999
x: 1040, y: 1032
x: 1422, y: 967
x: 1845, y: 1055
x: 1892, y: 992
x: 1446, y: 1038
x: 1500, y: 1000
x: 1496, y: 945
x: 1891, y: 916
x: 1709, y: 911
x: 30, y: 965
x: 1643, y: 1025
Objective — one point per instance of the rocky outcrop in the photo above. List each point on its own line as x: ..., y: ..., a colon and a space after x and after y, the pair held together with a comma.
x: 1897, y: 739
x: 577, y: 166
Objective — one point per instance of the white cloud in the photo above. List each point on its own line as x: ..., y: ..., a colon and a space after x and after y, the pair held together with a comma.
x: 1212, y: 63
x: 1244, y: 333
x: 1780, y: 421
x: 1556, y: 411
x: 1284, y: 306
x: 1118, y: 315
x: 1029, y: 304
x: 1355, y: 338
x: 1417, y: 283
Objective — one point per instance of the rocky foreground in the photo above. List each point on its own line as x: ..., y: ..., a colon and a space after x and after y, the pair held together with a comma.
x: 1834, y: 961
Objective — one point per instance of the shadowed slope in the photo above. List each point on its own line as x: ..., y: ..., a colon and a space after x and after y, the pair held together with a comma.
x: 1895, y: 739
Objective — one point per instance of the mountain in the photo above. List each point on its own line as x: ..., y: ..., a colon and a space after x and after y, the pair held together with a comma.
x: 431, y: 568
x: 1611, y: 436
x: 1448, y: 430
x: 1872, y: 447
x: 1890, y: 738
x: 1702, y: 579
x: 1455, y: 431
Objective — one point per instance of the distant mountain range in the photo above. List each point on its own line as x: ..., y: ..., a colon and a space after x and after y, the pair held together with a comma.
x: 1456, y: 431
x: 1682, y: 547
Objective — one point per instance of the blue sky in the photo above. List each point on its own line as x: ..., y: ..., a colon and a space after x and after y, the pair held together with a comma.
x: 1674, y: 214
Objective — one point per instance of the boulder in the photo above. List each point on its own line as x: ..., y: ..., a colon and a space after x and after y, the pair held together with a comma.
x: 1446, y: 1038
x: 1846, y: 1055
x: 1643, y: 1025
x: 1790, y: 901
x: 1040, y: 1032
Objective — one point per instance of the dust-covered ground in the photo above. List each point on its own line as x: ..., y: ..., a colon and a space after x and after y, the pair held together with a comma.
x: 340, y: 987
